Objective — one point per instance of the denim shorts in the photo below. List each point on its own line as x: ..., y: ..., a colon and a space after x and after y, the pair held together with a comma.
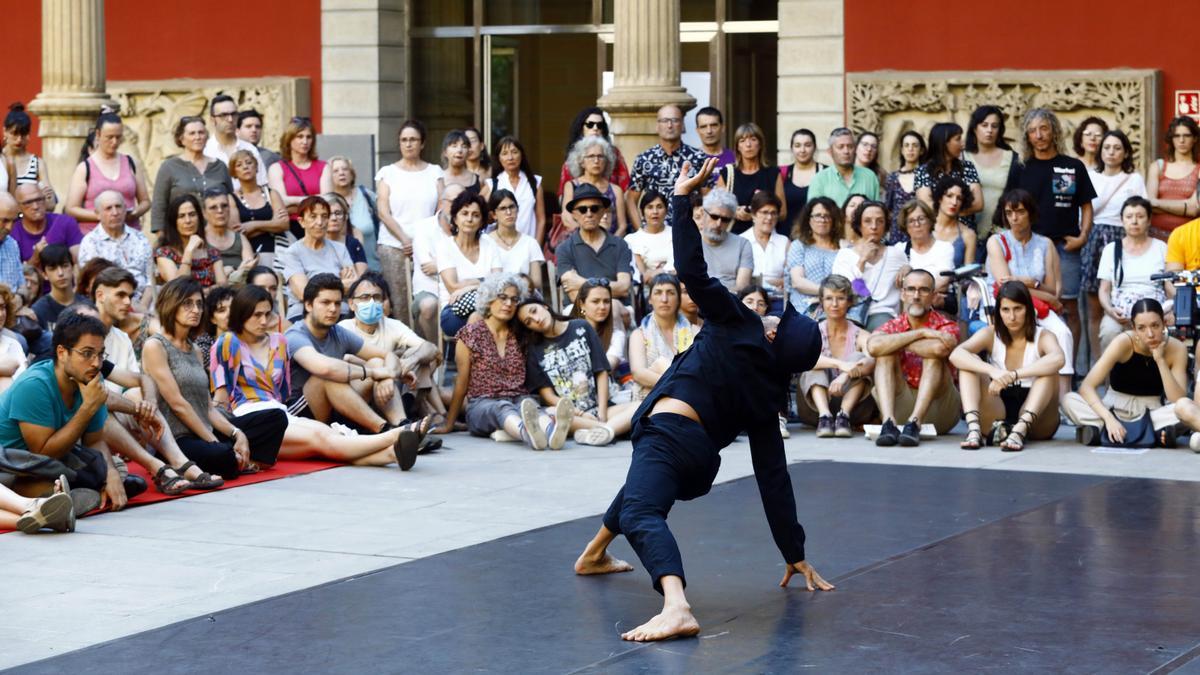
x: 1070, y: 269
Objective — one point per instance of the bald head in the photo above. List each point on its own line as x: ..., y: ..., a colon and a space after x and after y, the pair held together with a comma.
x: 110, y: 207
x: 32, y: 203
x: 670, y: 123
x: 8, y: 213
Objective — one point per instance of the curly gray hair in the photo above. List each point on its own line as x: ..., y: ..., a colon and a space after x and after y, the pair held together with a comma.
x: 1060, y: 141
x: 720, y: 199
x: 575, y: 157
x: 494, y: 284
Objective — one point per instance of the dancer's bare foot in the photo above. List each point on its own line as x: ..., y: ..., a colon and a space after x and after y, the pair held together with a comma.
x: 674, y: 622
x: 602, y: 564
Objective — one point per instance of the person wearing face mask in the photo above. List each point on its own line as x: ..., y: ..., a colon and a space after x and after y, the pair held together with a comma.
x: 418, y: 358
x: 732, y: 378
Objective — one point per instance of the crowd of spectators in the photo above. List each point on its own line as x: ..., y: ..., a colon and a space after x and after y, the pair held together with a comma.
x: 273, y: 307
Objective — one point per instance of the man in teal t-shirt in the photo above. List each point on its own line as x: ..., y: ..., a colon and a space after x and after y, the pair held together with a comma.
x: 55, y: 405
x: 843, y: 179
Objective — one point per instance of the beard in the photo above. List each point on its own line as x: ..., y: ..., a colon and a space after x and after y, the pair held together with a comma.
x: 716, y: 236
x: 914, y: 309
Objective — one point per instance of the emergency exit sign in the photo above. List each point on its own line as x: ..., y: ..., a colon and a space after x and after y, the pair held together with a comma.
x: 1187, y: 102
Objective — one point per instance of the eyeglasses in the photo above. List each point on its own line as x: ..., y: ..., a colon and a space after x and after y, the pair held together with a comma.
x: 820, y: 216
x: 724, y: 220
x: 507, y: 208
x: 595, y: 158
x: 197, y: 305
x: 91, y: 354
x: 226, y: 115
x: 588, y: 208
x: 369, y: 297
x: 918, y: 220
x: 918, y: 290
x: 594, y: 125
x: 507, y: 299
x: 670, y: 120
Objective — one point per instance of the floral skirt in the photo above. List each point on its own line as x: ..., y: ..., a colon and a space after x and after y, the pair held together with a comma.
x: 1101, y: 236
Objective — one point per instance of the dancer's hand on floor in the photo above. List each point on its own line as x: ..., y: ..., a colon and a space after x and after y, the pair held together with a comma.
x: 814, y: 580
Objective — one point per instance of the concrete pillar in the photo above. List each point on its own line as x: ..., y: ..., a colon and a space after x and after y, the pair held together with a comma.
x: 645, y: 71
x: 73, y: 82
x: 364, y: 72
x: 812, y: 70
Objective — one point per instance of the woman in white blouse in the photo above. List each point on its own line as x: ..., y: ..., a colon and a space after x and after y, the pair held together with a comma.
x: 519, y: 253
x: 514, y: 173
x: 1125, y: 280
x: 768, y: 246
x: 408, y: 191
x: 923, y: 250
x: 651, y: 246
x: 464, y: 260
x: 874, y: 269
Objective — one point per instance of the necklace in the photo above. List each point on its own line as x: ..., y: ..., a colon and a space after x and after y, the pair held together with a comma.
x: 505, y: 242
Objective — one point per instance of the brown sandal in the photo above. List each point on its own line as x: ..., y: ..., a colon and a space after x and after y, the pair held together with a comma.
x: 205, y: 481
x: 170, y: 485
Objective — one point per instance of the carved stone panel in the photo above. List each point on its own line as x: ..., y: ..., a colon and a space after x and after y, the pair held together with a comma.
x: 892, y: 102
x: 152, y: 108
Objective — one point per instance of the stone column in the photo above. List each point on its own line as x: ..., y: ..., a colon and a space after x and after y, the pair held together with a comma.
x: 812, y: 70
x: 645, y: 71
x: 72, y: 82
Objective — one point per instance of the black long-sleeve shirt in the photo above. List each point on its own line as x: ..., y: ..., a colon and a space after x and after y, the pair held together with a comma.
x: 732, y: 379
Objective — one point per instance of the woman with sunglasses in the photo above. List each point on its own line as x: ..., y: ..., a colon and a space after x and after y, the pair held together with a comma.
x: 591, y: 122
x: 190, y: 172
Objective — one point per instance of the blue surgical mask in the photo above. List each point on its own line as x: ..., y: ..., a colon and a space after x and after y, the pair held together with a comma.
x: 369, y: 312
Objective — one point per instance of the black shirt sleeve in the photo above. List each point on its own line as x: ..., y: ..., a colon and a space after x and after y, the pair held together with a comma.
x: 775, y: 489
x: 715, y: 302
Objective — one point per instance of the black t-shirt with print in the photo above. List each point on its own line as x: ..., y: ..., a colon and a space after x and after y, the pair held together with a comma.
x: 569, y: 363
x: 1060, y: 186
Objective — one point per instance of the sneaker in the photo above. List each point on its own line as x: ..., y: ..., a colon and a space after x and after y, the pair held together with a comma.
x: 1194, y: 443
x: 564, y: 412
x: 824, y: 426
x: 601, y: 435
x: 533, y: 432
x: 841, y: 425
x: 84, y: 501
x: 1087, y: 435
x: 888, y: 436
x: 783, y: 430
x: 910, y: 436
x: 52, y: 512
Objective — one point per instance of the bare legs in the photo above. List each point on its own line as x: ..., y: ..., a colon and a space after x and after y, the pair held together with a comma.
x: 1094, y: 313
x: 850, y: 398
x: 595, y: 559
x: 1040, y: 401
x: 306, y: 439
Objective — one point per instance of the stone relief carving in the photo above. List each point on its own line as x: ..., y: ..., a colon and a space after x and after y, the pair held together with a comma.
x: 892, y: 102
x: 151, y: 109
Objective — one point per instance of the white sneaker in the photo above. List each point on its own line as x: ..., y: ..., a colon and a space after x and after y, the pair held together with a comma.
x: 564, y: 412
x: 529, y: 417
x: 783, y: 430
x: 1194, y: 442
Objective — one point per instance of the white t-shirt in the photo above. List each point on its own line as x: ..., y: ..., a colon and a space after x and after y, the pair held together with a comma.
x: 769, y: 261
x: 426, y: 235
x: 213, y: 149
x: 10, y: 347
x: 1137, y: 270
x: 526, y: 200
x: 879, y: 277
x: 413, y: 196
x: 1111, y: 193
x: 655, y: 249
x: 118, y: 349
x: 449, y: 256
x: 516, y: 260
x: 939, y: 258
x: 391, y: 335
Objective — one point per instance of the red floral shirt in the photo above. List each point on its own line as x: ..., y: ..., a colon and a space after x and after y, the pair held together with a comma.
x: 910, y: 363
x: 493, y: 375
x: 202, y: 268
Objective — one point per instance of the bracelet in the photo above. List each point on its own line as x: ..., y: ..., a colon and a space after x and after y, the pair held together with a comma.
x: 364, y: 372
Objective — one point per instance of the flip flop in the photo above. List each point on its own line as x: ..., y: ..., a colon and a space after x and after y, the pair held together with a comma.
x: 406, y: 449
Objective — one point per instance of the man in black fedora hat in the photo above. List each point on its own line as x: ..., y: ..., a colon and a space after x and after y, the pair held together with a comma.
x: 591, y: 252
x: 731, y: 379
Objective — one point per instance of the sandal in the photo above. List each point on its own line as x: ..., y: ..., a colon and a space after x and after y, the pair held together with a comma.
x: 1015, y: 441
x: 205, y: 481
x: 170, y: 485
x: 998, y: 433
x: 974, y: 439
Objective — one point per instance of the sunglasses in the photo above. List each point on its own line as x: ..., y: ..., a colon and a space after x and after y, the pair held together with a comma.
x: 588, y: 208
x: 598, y: 281
x: 595, y: 125
x: 724, y: 220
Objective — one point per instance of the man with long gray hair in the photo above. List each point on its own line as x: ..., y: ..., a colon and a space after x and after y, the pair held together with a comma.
x: 730, y: 260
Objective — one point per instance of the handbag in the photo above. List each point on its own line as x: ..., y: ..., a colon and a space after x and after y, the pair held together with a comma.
x: 464, y: 305
x: 1139, y: 433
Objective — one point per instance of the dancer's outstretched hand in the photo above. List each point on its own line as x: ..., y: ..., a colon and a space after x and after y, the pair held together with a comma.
x: 814, y: 580
x: 687, y: 183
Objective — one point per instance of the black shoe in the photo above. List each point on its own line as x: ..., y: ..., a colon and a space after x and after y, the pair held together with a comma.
x: 134, y: 486
x: 888, y: 436
x: 910, y: 437
x: 824, y: 426
x: 1087, y: 435
x: 841, y: 426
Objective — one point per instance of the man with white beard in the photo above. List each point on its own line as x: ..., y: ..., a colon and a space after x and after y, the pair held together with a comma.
x: 730, y: 259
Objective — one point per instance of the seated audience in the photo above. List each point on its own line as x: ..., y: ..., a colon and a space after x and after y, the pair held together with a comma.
x: 899, y: 188
x: 875, y: 270
x: 369, y: 302
x: 1183, y: 246
x: 768, y: 247
x: 31, y: 515
x: 237, y: 257
x: 650, y: 245
x: 215, y: 322
x: 1018, y: 375
x: 730, y: 260
x: 514, y: 172
x: 662, y: 334
x: 23, y: 167
x: 1126, y: 266
x: 205, y: 436
x: 124, y: 245
x: 250, y: 129
x: 312, y: 255
x: 849, y: 208
x: 594, y: 303
x: 182, y: 250
x: 261, y: 215
x: 591, y: 161
x: 844, y: 178
x: 12, y: 355
x: 362, y: 210
x: 944, y: 160
x: 337, y: 231
x: 758, y: 301
x: 58, y: 269
x: 815, y: 244
x: 426, y: 283
x: 225, y: 141
x: 491, y: 372
x: 1146, y: 370
x: 688, y: 307
x: 324, y: 381
x: 38, y: 228
x: 455, y: 147
x: 913, y: 377
x: 251, y: 372
x: 10, y: 252
x: 519, y: 253
x: 268, y: 280
x: 591, y: 252
x: 750, y: 174
x: 842, y: 375
x: 923, y: 250
x: 950, y: 199
x: 102, y: 168
x: 463, y: 260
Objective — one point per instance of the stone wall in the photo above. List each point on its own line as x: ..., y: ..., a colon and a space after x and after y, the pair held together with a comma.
x: 811, y: 71
x: 892, y: 102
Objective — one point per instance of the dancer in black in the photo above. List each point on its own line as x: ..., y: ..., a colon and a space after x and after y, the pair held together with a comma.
x: 733, y: 378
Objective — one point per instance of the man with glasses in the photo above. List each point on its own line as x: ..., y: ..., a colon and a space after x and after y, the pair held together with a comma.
x: 844, y: 178
x: 37, y: 228
x: 10, y: 252
x: 730, y: 259
x: 914, y: 380
x: 591, y: 252
x: 658, y: 167
x: 710, y: 127
x: 250, y: 129
x: 224, y: 142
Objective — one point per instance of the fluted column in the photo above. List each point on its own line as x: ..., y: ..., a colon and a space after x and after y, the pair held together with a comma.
x: 645, y: 71
x: 73, y: 82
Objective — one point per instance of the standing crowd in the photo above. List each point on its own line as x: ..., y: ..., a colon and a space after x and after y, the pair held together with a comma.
x: 278, y: 307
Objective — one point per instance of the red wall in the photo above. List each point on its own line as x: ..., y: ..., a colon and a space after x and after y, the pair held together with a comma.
x: 1099, y: 34
x: 150, y: 40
